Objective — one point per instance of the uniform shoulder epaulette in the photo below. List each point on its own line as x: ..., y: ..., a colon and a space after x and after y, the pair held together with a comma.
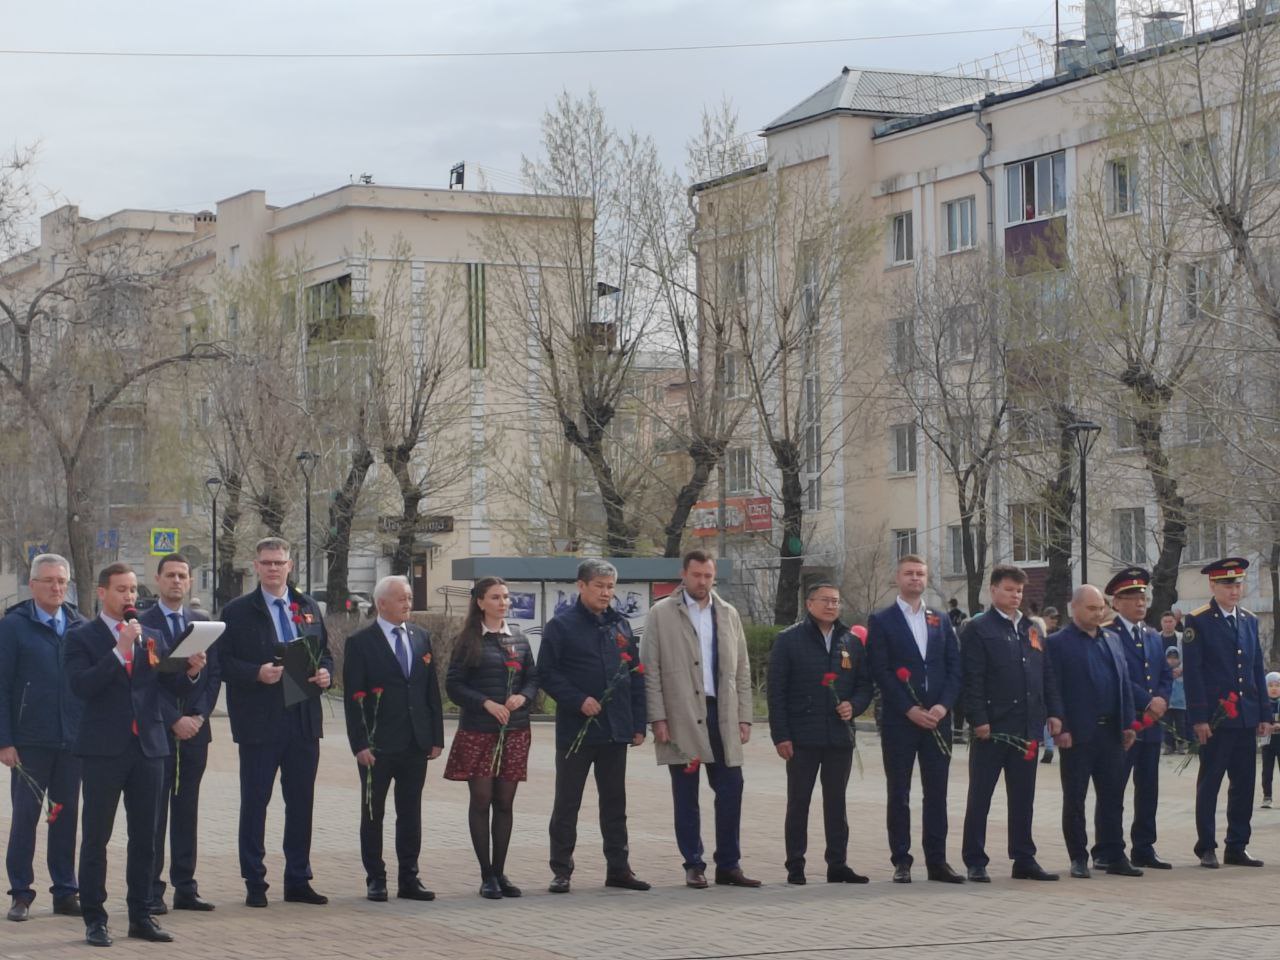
x: 1199, y: 610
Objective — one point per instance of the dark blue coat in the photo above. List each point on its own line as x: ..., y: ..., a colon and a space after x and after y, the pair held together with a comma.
x: 203, y: 696
x: 1217, y: 662
x: 1149, y: 672
x: 1008, y: 677
x: 1081, y: 705
x: 579, y: 657
x: 801, y: 709
x: 935, y: 678
x: 37, y: 707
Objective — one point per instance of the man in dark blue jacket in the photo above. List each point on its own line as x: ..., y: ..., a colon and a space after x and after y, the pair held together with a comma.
x: 588, y: 664
x: 1227, y: 703
x: 916, y: 662
x: 1152, y: 681
x: 39, y: 719
x: 818, y: 683
x: 1097, y: 703
x: 1009, y: 694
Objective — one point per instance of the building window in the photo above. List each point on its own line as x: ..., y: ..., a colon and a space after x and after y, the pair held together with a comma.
x: 1121, y: 186
x: 1029, y: 525
x: 811, y: 287
x: 812, y: 443
x: 733, y: 277
x: 955, y: 549
x: 902, y: 345
x: 1199, y: 290
x: 233, y: 321
x: 904, y: 542
x: 1271, y: 150
x: 735, y: 375
x: 1206, y: 535
x: 1126, y: 433
x: 1131, y: 534
x: 737, y: 469
x: 903, y: 248
x: 329, y: 313
x: 1198, y: 160
x: 233, y: 256
x: 1199, y: 428
x: 477, y: 333
x: 1037, y: 188
x: 959, y: 217
x: 903, y: 448
x: 960, y: 326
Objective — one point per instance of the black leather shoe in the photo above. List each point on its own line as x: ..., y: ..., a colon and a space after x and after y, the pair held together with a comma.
x: 96, y: 935
x: 1153, y: 862
x: 1123, y: 868
x: 735, y: 878
x: 157, y: 908
x: 1240, y: 858
x: 695, y: 877
x: 1048, y: 757
x: 148, y: 929
x: 796, y: 878
x: 978, y: 875
x: 902, y: 873
x: 68, y: 906
x: 1030, y: 870
x: 626, y: 881
x: 191, y: 901
x: 1209, y: 859
x: 559, y: 884
x: 489, y: 889
x: 21, y: 910
x: 255, y: 898
x: 414, y: 890
x: 508, y: 888
x: 943, y: 873
x: 843, y: 873
x: 1080, y: 869
x: 1101, y: 865
x: 305, y: 894
x: 376, y: 890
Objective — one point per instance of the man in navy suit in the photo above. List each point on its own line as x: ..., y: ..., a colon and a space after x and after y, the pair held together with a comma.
x: 915, y: 659
x: 184, y: 767
x: 1152, y: 682
x: 1227, y: 703
x: 274, y: 738
x: 1097, y: 700
x: 123, y: 740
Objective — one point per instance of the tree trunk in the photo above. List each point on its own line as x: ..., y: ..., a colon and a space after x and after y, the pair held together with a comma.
x: 80, y: 542
x: 397, y: 458
x: 973, y: 540
x: 1060, y: 498
x: 1275, y: 600
x: 620, y: 536
x: 1173, y: 517
x: 271, y: 511
x: 229, y: 580
x: 786, y: 601
x: 337, y: 544
x: 705, y: 456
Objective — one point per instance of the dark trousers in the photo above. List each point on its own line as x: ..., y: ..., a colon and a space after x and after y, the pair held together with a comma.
x: 178, y: 816
x: 1142, y: 761
x: 901, y: 745
x: 409, y: 771
x: 1270, y: 757
x: 57, y: 772
x: 987, y: 760
x: 610, y: 763
x: 803, y: 769
x: 726, y: 782
x: 1230, y: 752
x: 1100, y: 759
x: 295, y: 757
x: 138, y: 778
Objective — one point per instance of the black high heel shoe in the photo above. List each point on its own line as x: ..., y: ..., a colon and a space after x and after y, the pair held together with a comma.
x: 489, y: 888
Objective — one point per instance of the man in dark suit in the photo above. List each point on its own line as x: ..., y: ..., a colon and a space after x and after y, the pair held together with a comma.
x: 393, y: 734
x: 274, y: 739
x: 1151, y: 678
x: 818, y: 683
x: 1009, y: 692
x: 1227, y: 703
x: 916, y: 662
x: 1097, y: 702
x: 185, y: 765
x: 122, y: 743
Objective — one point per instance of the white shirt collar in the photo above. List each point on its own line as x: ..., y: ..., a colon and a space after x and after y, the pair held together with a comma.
x: 1015, y: 619
x: 1226, y: 612
x: 694, y: 604
x: 167, y: 610
x: 1128, y: 627
x: 502, y: 631
x: 387, y: 626
x: 112, y: 623
x: 271, y: 597
x: 906, y: 608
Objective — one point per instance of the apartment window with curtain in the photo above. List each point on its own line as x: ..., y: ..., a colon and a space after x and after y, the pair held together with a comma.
x: 958, y: 217
x: 1037, y: 188
x: 903, y: 245
x: 1121, y: 186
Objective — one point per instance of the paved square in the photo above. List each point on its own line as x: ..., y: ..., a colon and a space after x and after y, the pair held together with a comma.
x: 1219, y: 913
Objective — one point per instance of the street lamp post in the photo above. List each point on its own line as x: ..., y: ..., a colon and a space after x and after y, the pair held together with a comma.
x: 214, y: 486
x: 1085, y: 434
x: 307, y: 464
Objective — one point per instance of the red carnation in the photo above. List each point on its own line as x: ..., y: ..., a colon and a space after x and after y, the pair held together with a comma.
x: 1230, y: 709
x: 511, y: 664
x: 377, y: 691
x: 1148, y: 721
x: 1233, y: 696
x: 639, y: 668
x: 1033, y: 749
x: 692, y: 765
x: 297, y: 618
x: 359, y: 696
x: 1136, y: 725
x: 624, y: 657
x: 295, y: 607
x: 54, y: 810
x: 828, y: 679
x: 903, y: 674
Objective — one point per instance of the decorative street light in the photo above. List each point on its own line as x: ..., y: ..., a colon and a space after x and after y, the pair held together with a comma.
x: 214, y: 486
x: 1085, y: 434
x: 307, y: 464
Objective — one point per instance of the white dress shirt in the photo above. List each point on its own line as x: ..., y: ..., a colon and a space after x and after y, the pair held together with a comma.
x: 916, y: 621
x: 114, y: 626
x: 704, y: 624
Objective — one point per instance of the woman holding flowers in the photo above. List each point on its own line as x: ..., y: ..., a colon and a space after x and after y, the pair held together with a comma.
x: 493, y: 680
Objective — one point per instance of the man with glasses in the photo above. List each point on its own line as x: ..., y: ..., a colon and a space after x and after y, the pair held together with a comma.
x: 274, y: 738
x: 39, y: 719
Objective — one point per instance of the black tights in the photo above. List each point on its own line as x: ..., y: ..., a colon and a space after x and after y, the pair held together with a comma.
x: 500, y: 795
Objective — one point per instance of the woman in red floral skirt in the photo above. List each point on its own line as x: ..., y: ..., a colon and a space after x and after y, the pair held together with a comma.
x: 493, y: 680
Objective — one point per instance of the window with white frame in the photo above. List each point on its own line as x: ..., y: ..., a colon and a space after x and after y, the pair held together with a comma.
x: 1126, y: 432
x: 962, y: 440
x: 955, y: 549
x: 1130, y: 525
x: 735, y: 375
x: 958, y: 216
x: 1198, y: 160
x: 737, y: 469
x: 902, y: 343
x: 904, y: 542
x: 812, y: 442
x: 1029, y: 529
x: 1206, y: 535
x: 902, y: 453
x: 1270, y: 150
x: 1037, y: 188
x: 960, y: 327
x: 1122, y: 186
x: 1198, y: 426
x: 902, y: 249
x: 1199, y: 290
x: 733, y: 277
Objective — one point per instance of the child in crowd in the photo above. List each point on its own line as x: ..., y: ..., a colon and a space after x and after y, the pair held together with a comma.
x: 1271, y: 744
x: 1175, y: 733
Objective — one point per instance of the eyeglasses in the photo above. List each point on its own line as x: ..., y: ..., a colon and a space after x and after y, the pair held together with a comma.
x: 55, y: 581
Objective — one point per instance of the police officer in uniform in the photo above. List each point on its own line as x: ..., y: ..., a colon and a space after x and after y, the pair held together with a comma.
x: 1226, y: 691
x: 1152, y: 681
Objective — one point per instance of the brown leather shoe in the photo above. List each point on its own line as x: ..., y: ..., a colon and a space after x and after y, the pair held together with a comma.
x: 695, y: 877
x: 734, y: 878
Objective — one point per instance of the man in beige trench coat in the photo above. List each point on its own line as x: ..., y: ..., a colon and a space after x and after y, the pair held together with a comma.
x: 698, y: 693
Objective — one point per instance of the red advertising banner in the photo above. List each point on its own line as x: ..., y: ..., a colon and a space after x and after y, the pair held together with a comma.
x: 741, y: 515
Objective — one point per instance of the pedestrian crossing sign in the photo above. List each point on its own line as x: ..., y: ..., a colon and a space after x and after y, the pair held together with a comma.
x: 164, y: 540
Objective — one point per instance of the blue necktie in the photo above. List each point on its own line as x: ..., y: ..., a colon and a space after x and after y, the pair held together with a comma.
x: 56, y: 624
x: 282, y: 618
x: 402, y: 651
x: 176, y: 620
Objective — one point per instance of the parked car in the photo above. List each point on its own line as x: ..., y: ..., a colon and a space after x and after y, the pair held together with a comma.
x: 360, y: 603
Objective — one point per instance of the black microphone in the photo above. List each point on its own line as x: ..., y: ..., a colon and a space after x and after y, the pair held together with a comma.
x: 130, y: 616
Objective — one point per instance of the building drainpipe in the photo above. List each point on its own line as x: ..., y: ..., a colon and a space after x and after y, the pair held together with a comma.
x: 989, y: 135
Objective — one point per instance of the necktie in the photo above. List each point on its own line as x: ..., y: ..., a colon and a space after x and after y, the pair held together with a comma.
x: 55, y: 624
x: 175, y: 619
x: 1137, y: 635
x: 282, y: 617
x: 402, y: 651
x: 1231, y: 622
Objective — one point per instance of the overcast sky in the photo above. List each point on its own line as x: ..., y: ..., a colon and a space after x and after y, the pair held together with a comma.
x: 184, y: 132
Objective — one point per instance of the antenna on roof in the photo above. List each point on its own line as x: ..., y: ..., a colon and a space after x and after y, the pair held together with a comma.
x: 458, y: 175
